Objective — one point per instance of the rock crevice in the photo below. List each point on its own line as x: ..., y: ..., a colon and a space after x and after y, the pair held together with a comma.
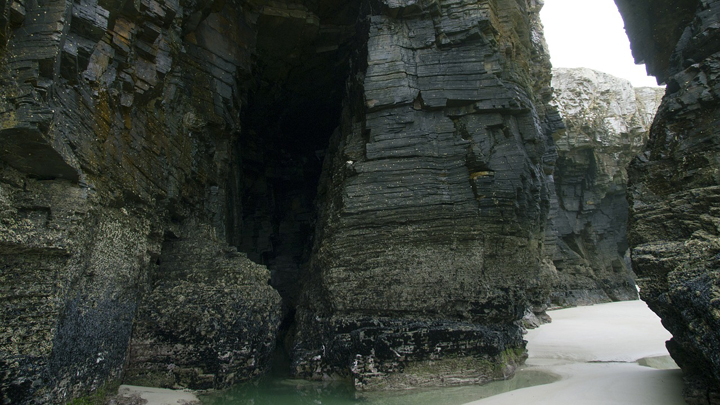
x: 606, y: 124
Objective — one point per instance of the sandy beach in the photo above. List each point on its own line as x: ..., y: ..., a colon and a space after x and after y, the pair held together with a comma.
x: 595, y: 350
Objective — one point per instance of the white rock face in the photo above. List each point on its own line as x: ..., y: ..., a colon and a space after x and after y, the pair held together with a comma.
x: 606, y: 114
x: 603, y: 110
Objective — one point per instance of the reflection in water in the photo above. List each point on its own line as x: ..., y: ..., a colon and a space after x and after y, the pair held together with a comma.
x: 274, y: 391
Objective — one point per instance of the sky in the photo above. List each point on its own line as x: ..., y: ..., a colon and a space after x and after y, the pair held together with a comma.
x: 591, y: 33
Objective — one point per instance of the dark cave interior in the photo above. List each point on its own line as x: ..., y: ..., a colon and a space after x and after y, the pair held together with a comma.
x: 293, y: 107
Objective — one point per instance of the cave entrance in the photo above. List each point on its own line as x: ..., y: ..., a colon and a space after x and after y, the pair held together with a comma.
x: 294, y: 104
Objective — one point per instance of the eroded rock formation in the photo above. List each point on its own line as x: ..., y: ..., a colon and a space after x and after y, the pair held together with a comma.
x: 607, y: 123
x: 673, y: 187
x: 433, y: 200
x: 146, y: 142
x: 118, y: 123
x: 390, y: 163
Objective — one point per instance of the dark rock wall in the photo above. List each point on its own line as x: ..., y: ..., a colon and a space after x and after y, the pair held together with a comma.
x: 673, y: 188
x: 118, y: 123
x: 209, y: 319
x: 607, y: 123
x: 433, y: 201
x: 69, y: 274
x: 157, y: 154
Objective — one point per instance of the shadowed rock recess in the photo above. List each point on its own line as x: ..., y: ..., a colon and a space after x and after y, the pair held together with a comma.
x: 187, y: 186
x: 673, y: 188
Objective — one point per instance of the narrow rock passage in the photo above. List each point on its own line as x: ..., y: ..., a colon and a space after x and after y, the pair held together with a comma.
x: 597, y: 352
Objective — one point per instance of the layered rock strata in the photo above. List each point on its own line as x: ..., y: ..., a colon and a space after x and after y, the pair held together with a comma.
x: 118, y: 123
x: 433, y: 200
x: 607, y: 123
x: 157, y: 154
x: 673, y: 188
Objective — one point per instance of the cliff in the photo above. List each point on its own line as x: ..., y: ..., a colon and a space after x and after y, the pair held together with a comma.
x: 118, y: 122
x: 160, y: 156
x: 370, y: 186
x: 606, y: 124
x: 673, y: 187
x: 433, y: 200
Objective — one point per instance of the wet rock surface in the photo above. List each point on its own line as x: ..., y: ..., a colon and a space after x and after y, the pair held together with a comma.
x: 607, y: 123
x: 673, y: 184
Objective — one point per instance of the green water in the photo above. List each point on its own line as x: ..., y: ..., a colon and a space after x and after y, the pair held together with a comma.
x: 284, y: 391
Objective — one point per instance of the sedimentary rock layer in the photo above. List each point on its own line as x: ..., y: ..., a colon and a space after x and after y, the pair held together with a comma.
x: 156, y: 154
x: 606, y: 124
x: 118, y: 121
x: 673, y: 186
x: 433, y: 200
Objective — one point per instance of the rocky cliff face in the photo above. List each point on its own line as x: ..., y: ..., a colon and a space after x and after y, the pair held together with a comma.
x: 143, y: 142
x: 673, y: 187
x: 385, y: 165
x: 434, y: 199
x: 118, y: 122
x: 607, y: 123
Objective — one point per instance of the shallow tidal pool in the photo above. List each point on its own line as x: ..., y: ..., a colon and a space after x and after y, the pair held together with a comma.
x: 274, y: 391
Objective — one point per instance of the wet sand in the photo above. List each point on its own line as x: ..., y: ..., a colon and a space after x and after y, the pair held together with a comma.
x: 596, y: 351
x: 131, y: 394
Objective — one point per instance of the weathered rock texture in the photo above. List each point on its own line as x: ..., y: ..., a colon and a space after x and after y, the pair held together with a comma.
x: 607, y: 123
x: 157, y: 154
x: 118, y: 123
x: 674, y: 183
x: 206, y: 322
x: 433, y: 200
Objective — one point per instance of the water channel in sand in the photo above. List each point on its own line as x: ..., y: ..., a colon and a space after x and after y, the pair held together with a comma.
x: 275, y: 391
